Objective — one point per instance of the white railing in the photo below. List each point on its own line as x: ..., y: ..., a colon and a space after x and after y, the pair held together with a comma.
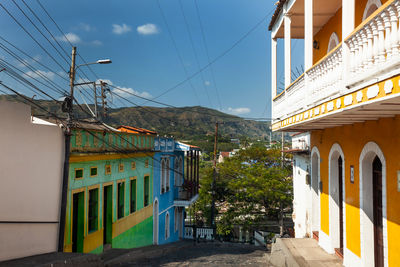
x: 374, y: 46
x: 371, y: 50
x: 201, y: 232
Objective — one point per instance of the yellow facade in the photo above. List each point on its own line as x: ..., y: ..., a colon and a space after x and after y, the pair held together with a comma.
x: 352, y: 138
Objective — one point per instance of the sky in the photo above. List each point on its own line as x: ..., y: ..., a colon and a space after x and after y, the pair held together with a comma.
x: 149, y: 43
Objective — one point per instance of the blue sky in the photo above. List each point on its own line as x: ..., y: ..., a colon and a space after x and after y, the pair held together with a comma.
x: 135, y: 37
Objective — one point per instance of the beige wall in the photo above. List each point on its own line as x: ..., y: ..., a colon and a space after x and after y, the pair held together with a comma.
x: 31, y: 160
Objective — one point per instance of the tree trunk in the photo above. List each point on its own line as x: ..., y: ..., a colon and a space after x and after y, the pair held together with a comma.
x: 281, y: 220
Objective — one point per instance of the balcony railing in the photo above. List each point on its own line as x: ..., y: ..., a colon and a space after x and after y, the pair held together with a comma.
x: 371, y: 50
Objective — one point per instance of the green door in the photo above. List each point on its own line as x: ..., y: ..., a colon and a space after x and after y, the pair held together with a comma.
x: 107, y: 214
x: 78, y: 222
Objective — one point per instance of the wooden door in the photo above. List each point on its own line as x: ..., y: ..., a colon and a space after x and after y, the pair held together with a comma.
x: 340, y: 176
x: 377, y: 206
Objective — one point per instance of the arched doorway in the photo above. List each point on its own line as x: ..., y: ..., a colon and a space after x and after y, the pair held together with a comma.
x: 336, y: 200
x: 155, y: 222
x: 333, y: 41
x: 373, y: 232
x: 315, y: 201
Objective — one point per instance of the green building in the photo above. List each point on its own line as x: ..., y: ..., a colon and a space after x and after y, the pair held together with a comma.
x: 110, y: 189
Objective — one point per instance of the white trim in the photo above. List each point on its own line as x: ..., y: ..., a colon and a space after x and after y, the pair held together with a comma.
x: 334, y: 37
x: 367, y: 154
x: 351, y: 259
x: 155, y: 222
x: 377, y: 3
x: 334, y: 227
x: 324, y: 241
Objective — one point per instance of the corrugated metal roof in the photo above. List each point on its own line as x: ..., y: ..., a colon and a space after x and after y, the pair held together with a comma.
x: 131, y: 129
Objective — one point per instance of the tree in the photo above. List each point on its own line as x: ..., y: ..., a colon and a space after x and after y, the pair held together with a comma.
x: 251, y: 186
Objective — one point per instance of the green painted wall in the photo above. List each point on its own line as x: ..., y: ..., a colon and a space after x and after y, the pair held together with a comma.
x: 138, y: 236
x: 145, y: 229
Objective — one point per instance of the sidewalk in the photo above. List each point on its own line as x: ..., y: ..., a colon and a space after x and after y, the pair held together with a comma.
x: 301, y: 252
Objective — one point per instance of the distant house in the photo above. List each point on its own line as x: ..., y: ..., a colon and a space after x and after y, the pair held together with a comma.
x: 174, y: 189
x: 222, y: 156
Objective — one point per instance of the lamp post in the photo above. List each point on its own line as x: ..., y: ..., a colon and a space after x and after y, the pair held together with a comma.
x: 68, y: 107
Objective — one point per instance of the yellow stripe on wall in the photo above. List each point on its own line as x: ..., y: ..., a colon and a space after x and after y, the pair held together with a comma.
x: 131, y: 220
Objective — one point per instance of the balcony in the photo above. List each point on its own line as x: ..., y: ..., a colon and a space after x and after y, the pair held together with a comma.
x: 357, y: 72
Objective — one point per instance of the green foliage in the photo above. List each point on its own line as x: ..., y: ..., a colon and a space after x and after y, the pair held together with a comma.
x: 251, y: 186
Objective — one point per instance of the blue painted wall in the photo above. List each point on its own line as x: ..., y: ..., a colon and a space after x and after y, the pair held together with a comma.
x: 165, y: 148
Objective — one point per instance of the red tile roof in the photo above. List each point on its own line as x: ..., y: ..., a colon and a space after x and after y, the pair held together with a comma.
x: 130, y: 129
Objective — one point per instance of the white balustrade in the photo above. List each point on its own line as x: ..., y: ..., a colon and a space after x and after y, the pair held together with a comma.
x: 201, y: 232
x: 373, y: 49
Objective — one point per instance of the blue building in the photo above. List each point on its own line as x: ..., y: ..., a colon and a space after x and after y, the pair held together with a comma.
x: 173, y: 188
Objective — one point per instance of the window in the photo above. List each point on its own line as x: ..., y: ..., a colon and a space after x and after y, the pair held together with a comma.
x: 108, y: 169
x: 121, y: 167
x: 162, y: 182
x: 93, y: 171
x: 79, y: 173
x: 133, y: 195
x: 121, y: 199
x: 93, y: 210
x: 146, y: 190
x: 167, y: 225
x: 176, y: 218
x: 146, y: 163
x: 133, y: 165
x: 176, y: 173
x: 167, y: 172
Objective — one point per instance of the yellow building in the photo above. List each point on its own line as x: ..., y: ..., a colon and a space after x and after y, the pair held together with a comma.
x: 348, y: 100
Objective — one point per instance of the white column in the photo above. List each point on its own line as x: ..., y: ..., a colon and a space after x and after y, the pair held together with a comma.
x: 348, y: 14
x: 348, y: 22
x: 288, y: 44
x: 273, y: 68
x: 308, y: 34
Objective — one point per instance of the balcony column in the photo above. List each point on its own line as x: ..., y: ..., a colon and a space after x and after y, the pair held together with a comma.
x: 348, y: 22
x: 288, y: 43
x: 273, y: 68
x: 308, y: 34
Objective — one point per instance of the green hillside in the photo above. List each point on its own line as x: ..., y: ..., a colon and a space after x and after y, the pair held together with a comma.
x: 184, y: 123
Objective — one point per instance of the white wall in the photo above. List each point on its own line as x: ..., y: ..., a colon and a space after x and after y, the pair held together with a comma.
x: 31, y: 165
x: 301, y: 198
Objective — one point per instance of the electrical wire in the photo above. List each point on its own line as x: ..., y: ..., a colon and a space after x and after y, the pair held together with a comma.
x: 177, y: 50
x: 194, y: 50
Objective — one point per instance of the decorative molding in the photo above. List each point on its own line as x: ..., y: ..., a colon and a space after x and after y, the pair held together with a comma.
x: 388, y: 86
x: 329, y: 106
x: 348, y: 100
x: 359, y: 96
x: 373, y: 91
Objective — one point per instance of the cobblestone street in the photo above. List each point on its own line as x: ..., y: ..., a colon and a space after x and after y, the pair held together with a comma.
x: 203, y: 254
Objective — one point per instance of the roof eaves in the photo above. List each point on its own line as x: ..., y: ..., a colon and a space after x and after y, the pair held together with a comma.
x: 275, y: 16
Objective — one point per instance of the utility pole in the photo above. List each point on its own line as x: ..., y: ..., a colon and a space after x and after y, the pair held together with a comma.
x: 67, y: 134
x: 282, y: 149
x: 212, y: 219
x: 103, y: 97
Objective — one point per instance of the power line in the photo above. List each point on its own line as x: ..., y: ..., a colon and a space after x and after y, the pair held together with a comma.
x: 30, y: 35
x: 177, y: 50
x: 216, y: 58
x: 207, y: 53
x: 194, y: 50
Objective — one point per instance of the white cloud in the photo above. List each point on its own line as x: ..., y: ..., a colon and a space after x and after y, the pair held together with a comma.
x: 147, y: 29
x: 125, y: 91
x: 121, y: 29
x: 207, y: 83
x: 29, y: 61
x: 129, y: 92
x: 85, y: 27
x: 238, y: 111
x: 39, y: 74
x: 72, y: 37
x: 96, y: 42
